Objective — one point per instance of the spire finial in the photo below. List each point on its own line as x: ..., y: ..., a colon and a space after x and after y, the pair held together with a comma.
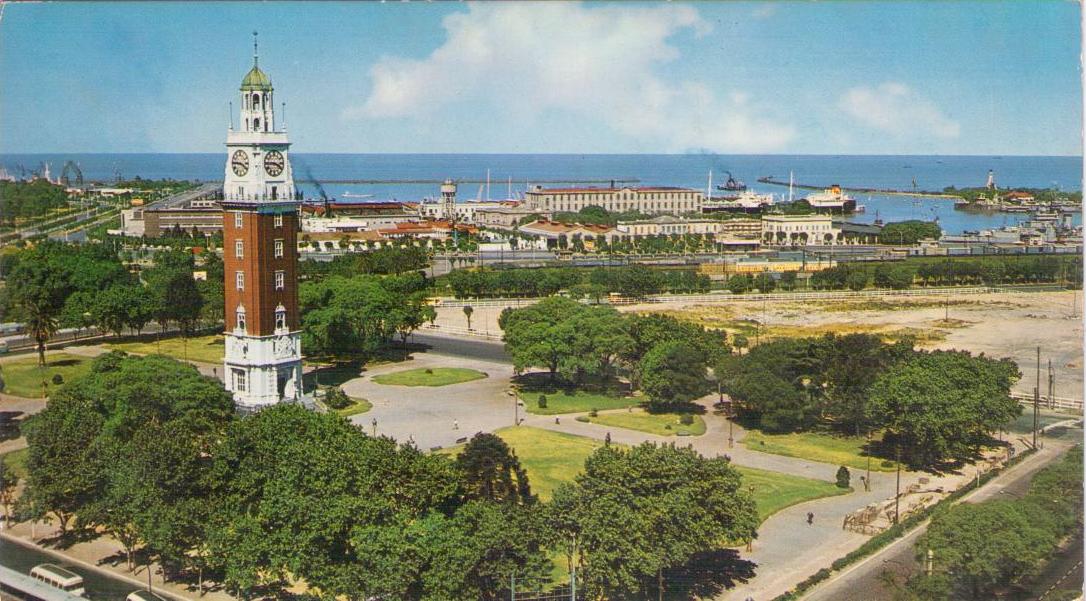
x: 255, y: 59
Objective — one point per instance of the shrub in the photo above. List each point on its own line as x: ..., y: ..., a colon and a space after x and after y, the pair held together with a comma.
x: 843, y: 477
x: 58, y: 379
x: 686, y: 419
x: 542, y: 401
x: 429, y: 371
x: 593, y: 413
x: 582, y: 418
x: 335, y: 398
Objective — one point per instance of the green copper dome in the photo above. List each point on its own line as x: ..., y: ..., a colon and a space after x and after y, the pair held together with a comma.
x: 256, y: 80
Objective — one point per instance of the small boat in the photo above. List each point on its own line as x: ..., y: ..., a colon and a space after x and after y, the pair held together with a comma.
x: 732, y: 184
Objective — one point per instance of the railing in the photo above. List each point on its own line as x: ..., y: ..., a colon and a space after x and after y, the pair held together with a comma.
x: 459, y: 331
x: 1054, y: 402
x: 726, y: 297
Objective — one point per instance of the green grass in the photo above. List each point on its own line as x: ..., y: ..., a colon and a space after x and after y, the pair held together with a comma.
x: 660, y: 424
x: 437, y: 376
x: 16, y: 461
x: 552, y: 458
x: 205, y: 349
x: 773, y: 491
x: 1024, y: 423
x: 826, y: 448
x: 355, y: 408
x: 563, y: 400
x: 22, y: 377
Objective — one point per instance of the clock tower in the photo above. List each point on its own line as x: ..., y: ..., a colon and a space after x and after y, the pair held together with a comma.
x: 263, y: 362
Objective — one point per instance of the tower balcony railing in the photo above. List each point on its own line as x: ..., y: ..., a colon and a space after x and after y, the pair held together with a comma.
x: 296, y: 197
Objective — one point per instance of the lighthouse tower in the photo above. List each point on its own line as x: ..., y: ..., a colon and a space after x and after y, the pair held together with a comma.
x: 263, y: 362
x: 448, y: 200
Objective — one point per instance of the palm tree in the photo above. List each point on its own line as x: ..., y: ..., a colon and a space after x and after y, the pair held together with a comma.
x: 42, y: 324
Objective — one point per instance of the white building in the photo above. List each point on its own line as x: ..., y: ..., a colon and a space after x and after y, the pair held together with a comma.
x: 800, y: 230
x: 649, y: 200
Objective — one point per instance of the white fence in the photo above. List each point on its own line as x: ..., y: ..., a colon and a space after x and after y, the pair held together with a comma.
x: 1049, y: 402
x: 733, y: 298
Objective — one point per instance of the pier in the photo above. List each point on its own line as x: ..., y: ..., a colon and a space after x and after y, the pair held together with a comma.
x: 776, y: 182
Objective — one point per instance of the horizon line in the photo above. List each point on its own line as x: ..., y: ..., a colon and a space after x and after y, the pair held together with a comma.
x: 798, y: 154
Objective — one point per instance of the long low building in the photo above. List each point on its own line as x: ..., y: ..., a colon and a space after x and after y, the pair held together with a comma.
x: 648, y: 200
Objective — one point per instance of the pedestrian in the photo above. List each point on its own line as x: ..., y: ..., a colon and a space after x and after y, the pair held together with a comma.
x: 810, y: 518
x: 607, y: 439
x: 556, y: 421
x: 456, y: 425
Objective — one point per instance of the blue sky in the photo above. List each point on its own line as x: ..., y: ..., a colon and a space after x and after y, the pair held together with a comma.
x: 806, y: 78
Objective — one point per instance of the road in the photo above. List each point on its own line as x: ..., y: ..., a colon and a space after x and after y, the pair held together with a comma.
x: 863, y: 581
x: 483, y: 350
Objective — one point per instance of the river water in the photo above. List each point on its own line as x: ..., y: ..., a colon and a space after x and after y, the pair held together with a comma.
x: 511, y: 173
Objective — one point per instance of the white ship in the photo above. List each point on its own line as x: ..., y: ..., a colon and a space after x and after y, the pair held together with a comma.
x: 832, y: 199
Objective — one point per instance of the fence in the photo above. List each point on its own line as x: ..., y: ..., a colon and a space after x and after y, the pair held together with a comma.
x: 1054, y: 402
x: 731, y: 298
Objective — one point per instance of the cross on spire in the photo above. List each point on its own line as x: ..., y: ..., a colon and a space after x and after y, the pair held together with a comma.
x: 255, y: 58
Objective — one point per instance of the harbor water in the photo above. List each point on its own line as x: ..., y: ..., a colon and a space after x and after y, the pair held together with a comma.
x: 510, y: 174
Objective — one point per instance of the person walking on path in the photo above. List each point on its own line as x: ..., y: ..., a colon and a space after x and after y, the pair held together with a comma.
x: 810, y: 518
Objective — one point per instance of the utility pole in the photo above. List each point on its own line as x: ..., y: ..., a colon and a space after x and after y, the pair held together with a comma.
x: 513, y: 586
x: 573, y: 572
x: 1036, y: 397
x: 1051, y: 385
x: 897, y: 490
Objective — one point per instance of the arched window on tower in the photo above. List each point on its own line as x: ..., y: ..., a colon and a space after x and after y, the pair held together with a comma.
x: 240, y: 319
x: 256, y: 101
x: 280, y: 318
x: 256, y: 124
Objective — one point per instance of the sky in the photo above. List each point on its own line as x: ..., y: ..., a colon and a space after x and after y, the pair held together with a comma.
x: 861, y: 77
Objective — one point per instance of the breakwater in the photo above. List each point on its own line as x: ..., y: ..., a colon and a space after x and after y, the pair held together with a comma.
x: 890, y: 192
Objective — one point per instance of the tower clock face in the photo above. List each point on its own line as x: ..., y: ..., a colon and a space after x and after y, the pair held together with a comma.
x: 273, y: 163
x: 239, y: 162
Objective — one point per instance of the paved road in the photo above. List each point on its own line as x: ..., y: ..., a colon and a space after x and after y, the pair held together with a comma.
x: 463, y: 346
x: 862, y: 582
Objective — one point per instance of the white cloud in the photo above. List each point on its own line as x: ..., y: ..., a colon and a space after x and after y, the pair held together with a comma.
x: 894, y: 108
x: 602, y: 63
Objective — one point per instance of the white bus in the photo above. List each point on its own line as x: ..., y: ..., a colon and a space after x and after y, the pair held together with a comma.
x: 142, y: 595
x: 58, y: 577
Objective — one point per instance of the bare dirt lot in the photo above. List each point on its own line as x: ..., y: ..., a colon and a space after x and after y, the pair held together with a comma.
x: 1000, y: 325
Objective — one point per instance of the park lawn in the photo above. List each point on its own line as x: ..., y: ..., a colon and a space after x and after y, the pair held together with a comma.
x: 436, y: 376
x: 356, y: 407
x: 660, y: 424
x: 574, y: 401
x: 22, y: 377
x: 205, y: 349
x: 553, y: 458
x: 773, y: 491
x: 814, y: 446
x: 16, y: 462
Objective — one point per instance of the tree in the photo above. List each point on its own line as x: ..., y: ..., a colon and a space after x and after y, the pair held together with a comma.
x: 36, y: 289
x: 979, y: 547
x: 8, y: 482
x: 490, y: 471
x: 672, y: 373
x: 468, y: 310
x: 542, y: 335
x: 628, y: 542
x: 898, y: 277
x: 788, y: 280
x: 765, y: 283
x: 909, y: 232
x: 843, y: 477
x: 940, y: 406
x: 62, y: 464
x: 740, y: 283
x: 856, y: 279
